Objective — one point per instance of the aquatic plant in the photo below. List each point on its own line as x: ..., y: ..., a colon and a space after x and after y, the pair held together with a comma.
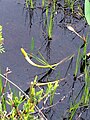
x: 30, y: 110
x: 43, y: 61
x: 38, y: 95
x: 82, y: 99
x: 51, y: 19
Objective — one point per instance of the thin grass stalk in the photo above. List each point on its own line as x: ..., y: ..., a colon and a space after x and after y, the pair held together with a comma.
x: 77, y: 64
x: 86, y: 90
x: 43, y: 3
x: 44, y: 62
x: 73, y: 110
x: 54, y: 4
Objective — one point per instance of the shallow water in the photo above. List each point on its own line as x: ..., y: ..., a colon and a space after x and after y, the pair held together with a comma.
x: 19, y: 26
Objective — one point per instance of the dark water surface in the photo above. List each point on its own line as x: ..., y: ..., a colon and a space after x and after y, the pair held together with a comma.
x: 18, y: 30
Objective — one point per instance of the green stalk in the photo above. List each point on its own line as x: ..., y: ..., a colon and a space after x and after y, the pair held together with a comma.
x: 50, y: 27
x: 31, y: 4
x: 43, y: 3
x: 77, y: 63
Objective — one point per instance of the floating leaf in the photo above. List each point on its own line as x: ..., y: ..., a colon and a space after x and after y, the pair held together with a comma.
x: 87, y: 11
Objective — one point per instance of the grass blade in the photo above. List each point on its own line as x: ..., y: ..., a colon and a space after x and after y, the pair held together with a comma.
x: 32, y: 44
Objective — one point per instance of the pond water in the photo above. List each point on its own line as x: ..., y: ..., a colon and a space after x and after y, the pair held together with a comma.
x: 19, y: 26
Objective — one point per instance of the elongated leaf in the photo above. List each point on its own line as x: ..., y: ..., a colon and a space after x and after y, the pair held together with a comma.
x: 87, y: 11
x: 32, y: 44
x: 77, y: 63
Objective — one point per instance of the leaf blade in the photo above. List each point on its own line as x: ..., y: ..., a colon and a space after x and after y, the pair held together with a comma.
x: 87, y: 11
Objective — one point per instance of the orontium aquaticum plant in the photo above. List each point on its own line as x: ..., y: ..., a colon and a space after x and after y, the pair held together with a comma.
x: 44, y: 63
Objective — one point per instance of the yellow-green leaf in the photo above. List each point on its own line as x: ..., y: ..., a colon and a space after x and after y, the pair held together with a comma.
x: 87, y: 11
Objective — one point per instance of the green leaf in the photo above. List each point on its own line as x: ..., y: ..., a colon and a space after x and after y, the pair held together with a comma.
x: 87, y: 11
x: 32, y: 44
x: 50, y: 26
x: 39, y: 94
x: 43, y: 3
x: 77, y: 63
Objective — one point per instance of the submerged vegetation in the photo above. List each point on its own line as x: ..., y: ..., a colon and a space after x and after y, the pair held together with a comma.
x: 38, y: 100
